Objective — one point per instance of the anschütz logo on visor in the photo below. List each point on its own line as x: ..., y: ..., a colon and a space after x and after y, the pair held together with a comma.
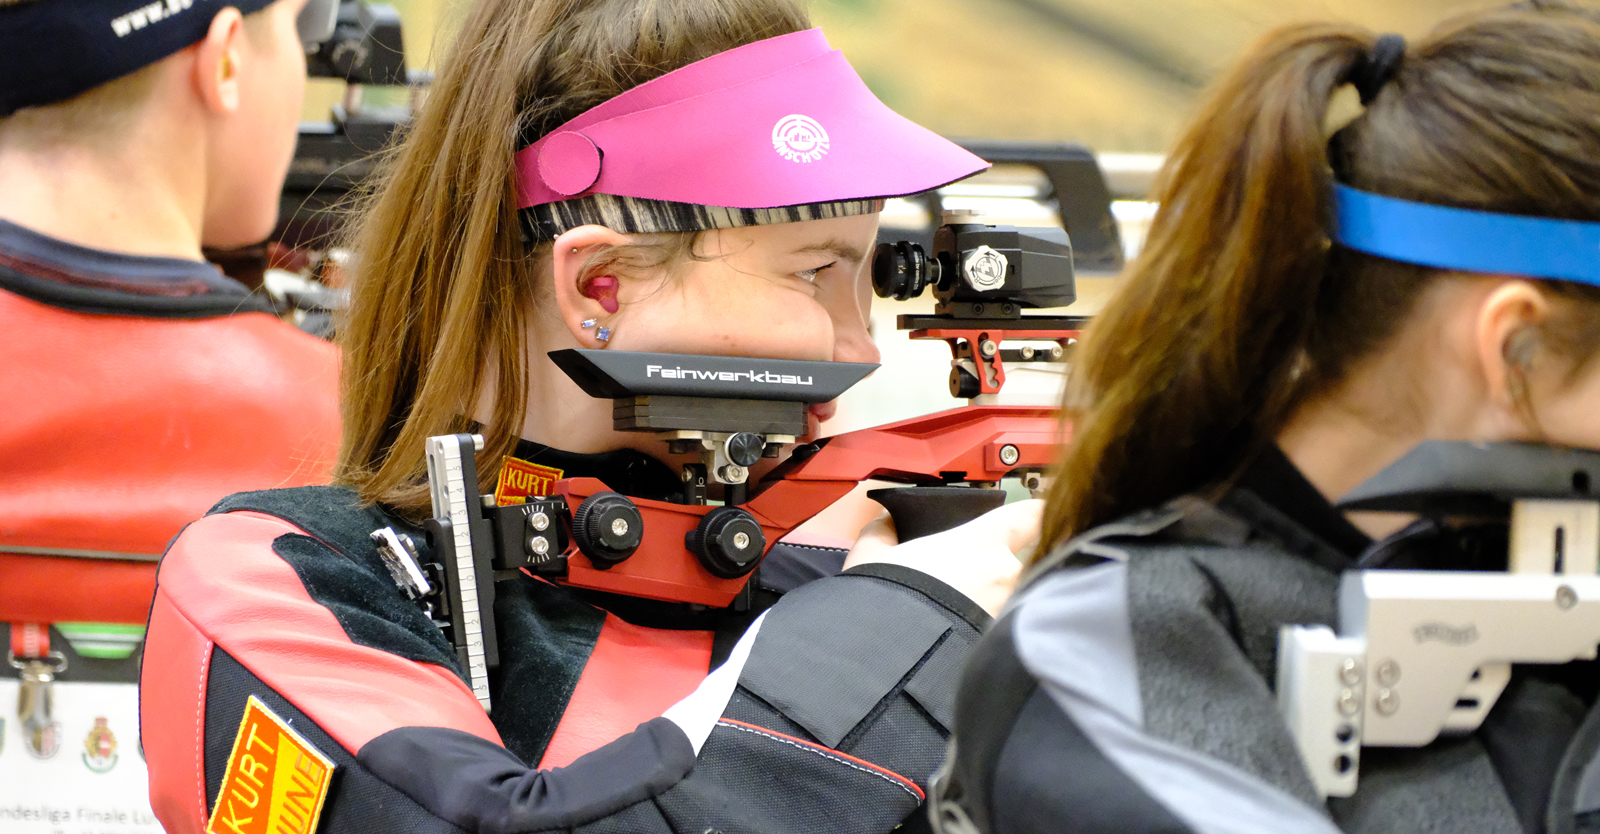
x: 799, y: 138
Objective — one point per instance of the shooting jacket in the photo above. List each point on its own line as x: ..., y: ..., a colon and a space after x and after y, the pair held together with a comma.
x: 138, y: 392
x: 1129, y: 689
x: 845, y: 685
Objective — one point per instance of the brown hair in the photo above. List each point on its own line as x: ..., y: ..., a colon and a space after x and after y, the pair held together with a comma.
x: 1239, y: 309
x: 444, y: 280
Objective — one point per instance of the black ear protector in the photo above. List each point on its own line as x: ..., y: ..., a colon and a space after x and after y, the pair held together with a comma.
x: 316, y: 22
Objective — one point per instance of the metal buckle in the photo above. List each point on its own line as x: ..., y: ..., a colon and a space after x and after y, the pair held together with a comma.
x: 35, y: 699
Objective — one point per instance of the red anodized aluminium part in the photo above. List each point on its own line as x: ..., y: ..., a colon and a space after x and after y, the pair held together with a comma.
x: 960, y: 445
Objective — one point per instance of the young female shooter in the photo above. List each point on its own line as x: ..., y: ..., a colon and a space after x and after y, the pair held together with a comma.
x: 1249, y: 374
x: 682, y: 176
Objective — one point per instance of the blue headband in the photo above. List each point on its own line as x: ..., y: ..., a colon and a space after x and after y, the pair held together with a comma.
x: 1466, y: 240
x: 52, y: 50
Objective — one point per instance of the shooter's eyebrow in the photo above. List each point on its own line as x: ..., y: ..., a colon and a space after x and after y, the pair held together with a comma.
x: 838, y: 248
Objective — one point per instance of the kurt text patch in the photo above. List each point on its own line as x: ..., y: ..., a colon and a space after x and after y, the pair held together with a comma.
x: 520, y: 480
x: 276, y: 782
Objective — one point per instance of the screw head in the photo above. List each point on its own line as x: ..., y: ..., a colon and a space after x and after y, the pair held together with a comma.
x: 1388, y: 673
x: 1350, y: 671
x: 734, y: 474
x: 539, y: 521
x: 539, y: 545
x: 1027, y: 353
x: 741, y: 540
x: 1566, y: 597
x: 1009, y: 455
x: 619, y: 526
x: 988, y: 348
x: 1348, y: 703
x: 1387, y: 702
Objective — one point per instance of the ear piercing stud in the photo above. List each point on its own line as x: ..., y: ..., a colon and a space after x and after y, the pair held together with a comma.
x: 603, y: 334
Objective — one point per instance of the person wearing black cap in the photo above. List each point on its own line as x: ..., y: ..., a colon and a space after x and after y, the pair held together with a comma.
x: 1305, y: 313
x: 141, y: 384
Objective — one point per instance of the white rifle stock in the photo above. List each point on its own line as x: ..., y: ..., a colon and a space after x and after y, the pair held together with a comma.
x: 1420, y: 653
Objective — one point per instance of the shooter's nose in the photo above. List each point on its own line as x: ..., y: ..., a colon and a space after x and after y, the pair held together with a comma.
x: 854, y: 344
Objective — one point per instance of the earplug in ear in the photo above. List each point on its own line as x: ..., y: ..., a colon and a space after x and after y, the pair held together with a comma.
x: 604, y: 290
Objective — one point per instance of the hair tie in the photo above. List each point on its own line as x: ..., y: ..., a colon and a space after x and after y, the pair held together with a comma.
x: 1378, y: 67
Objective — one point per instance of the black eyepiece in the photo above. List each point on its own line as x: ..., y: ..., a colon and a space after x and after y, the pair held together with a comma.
x: 902, y: 270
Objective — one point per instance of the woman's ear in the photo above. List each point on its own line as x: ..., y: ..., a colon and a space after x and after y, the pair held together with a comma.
x: 581, y: 295
x: 1506, y: 340
x: 218, y: 62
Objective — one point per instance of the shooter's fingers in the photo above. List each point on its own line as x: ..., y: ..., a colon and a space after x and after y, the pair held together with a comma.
x: 875, y: 540
x: 1016, y: 525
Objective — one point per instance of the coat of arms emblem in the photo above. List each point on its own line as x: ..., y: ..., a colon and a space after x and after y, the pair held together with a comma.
x: 100, y: 747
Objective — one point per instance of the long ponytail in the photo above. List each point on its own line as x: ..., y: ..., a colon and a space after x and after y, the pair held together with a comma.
x: 1194, y: 360
x: 1240, y: 309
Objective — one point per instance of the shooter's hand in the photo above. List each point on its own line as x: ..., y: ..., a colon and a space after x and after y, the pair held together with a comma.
x: 978, y: 558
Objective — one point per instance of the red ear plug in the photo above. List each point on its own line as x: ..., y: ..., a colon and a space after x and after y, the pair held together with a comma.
x: 604, y: 290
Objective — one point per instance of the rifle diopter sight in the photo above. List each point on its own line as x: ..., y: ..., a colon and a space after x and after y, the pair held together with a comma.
x: 1424, y: 652
x: 982, y: 278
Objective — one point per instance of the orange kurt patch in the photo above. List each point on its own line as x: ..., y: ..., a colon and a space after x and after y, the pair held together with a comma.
x: 276, y: 782
x: 521, y: 480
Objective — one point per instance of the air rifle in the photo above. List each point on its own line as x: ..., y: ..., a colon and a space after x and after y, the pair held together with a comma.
x: 1421, y: 653
x: 731, y: 412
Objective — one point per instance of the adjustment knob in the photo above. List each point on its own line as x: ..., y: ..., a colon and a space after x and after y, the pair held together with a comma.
x: 963, y: 385
x: 744, y: 449
x: 608, y: 528
x: 728, y: 542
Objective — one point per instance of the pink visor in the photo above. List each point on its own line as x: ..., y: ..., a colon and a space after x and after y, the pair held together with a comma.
x: 779, y: 122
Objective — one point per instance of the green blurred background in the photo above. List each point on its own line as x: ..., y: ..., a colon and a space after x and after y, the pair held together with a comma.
x: 1120, y: 76
x: 1117, y: 75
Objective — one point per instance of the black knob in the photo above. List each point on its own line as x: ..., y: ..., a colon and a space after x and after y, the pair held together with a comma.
x: 608, y: 528
x: 901, y: 270
x: 744, y: 449
x: 728, y: 542
x: 963, y: 385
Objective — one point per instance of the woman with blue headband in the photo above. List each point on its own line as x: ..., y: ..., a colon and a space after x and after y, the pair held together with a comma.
x: 1314, y: 301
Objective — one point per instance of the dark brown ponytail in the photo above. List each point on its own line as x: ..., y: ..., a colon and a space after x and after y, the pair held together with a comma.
x: 1239, y: 308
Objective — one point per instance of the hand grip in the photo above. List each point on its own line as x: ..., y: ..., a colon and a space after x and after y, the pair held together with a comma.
x: 923, y: 511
